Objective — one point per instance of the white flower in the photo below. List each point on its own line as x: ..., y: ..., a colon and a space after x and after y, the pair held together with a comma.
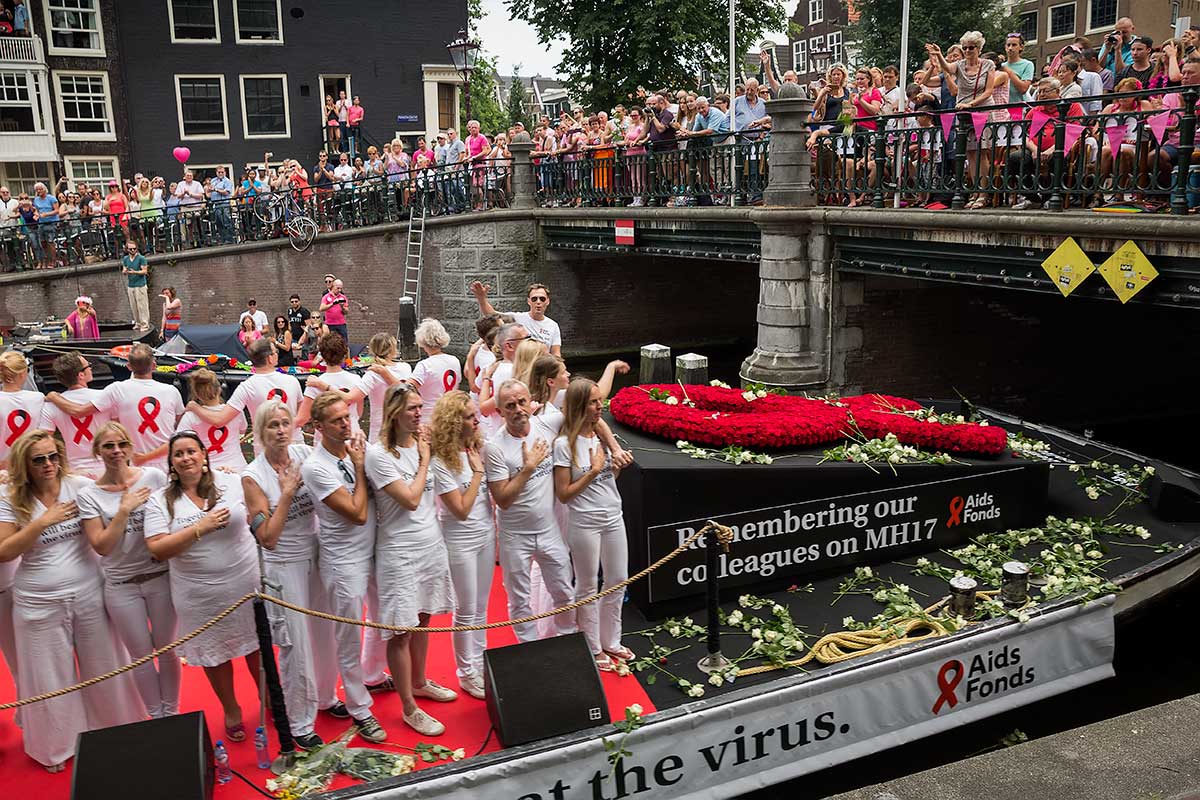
x: 771, y: 636
x: 716, y: 680
x: 695, y: 690
x: 768, y: 460
x: 930, y: 419
x: 778, y: 609
x: 760, y: 393
x: 672, y: 400
x: 960, y: 419
x: 688, y: 621
x: 1141, y: 532
x: 272, y: 786
x: 787, y: 642
x: 756, y: 633
x: 681, y: 443
x: 636, y: 708
x: 903, y: 587
x: 880, y: 596
x: 1149, y: 470
x: 1079, y: 548
x: 983, y: 423
x: 1095, y: 465
x: 1074, y: 468
x: 1059, y: 571
x: 923, y: 562
x: 622, y: 669
x: 847, y: 622
x: 1093, y: 493
x: 748, y: 395
x: 744, y: 601
x: 1022, y: 618
x: 735, y: 618
x: 894, y: 458
x: 460, y: 753
x: 1094, y: 554
x: 674, y: 630
x: 863, y: 572
x: 1087, y: 531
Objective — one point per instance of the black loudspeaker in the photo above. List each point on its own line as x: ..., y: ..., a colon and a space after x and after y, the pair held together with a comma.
x: 159, y: 759
x: 1172, y: 496
x: 540, y: 689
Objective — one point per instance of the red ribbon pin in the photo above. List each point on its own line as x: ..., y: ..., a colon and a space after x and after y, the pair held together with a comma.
x: 947, y: 685
x: 82, y: 428
x: 956, y: 509
x: 277, y: 393
x: 450, y: 380
x: 148, y: 408
x: 18, y: 422
x: 216, y: 439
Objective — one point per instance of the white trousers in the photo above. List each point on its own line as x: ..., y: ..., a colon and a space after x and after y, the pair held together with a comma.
x: 52, y: 636
x: 8, y: 641
x: 295, y: 637
x: 471, y: 570
x: 594, y: 546
x: 517, y: 552
x: 346, y: 586
x: 374, y: 646
x: 131, y: 606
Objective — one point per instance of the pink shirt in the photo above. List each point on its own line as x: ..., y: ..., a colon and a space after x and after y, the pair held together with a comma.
x: 1173, y: 102
x: 335, y: 314
x: 476, y: 145
x: 872, y: 95
x: 632, y: 134
x: 354, y: 114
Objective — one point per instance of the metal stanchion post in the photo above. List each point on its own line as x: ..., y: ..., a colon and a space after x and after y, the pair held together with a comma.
x: 714, y: 660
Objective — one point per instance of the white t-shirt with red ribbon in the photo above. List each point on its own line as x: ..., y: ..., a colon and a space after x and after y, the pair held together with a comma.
x: 223, y: 442
x: 148, y: 410
x: 20, y: 413
x: 433, y: 377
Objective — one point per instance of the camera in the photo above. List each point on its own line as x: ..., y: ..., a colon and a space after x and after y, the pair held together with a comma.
x: 1111, y: 38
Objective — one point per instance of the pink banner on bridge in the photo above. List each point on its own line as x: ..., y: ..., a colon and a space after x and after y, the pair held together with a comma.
x: 947, y: 119
x: 1115, y: 135
x: 979, y: 119
x: 1158, y: 125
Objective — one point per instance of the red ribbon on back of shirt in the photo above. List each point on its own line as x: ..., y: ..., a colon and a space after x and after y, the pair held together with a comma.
x: 18, y: 422
x: 148, y: 408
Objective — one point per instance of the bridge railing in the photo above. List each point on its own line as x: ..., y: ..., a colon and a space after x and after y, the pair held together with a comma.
x: 704, y: 170
x: 1050, y: 155
x: 360, y: 203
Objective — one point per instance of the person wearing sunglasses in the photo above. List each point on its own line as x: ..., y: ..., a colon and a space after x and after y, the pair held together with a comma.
x: 334, y: 475
x: 508, y: 339
x: 20, y: 408
x: 74, y: 371
x: 137, y: 590
x: 198, y: 525
x: 535, y: 321
x: 82, y: 321
x: 61, y: 630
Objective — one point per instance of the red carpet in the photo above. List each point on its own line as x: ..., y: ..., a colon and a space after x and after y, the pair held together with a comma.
x: 466, y: 718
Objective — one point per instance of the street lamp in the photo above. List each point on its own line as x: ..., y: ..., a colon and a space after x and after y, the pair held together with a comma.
x: 463, y: 52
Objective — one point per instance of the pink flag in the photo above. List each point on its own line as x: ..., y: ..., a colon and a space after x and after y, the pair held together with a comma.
x: 979, y: 119
x: 1158, y: 125
x: 1116, y: 135
x: 947, y: 118
x: 1073, y: 133
x: 1037, y: 121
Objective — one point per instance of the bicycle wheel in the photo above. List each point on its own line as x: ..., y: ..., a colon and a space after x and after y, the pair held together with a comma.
x: 268, y: 208
x: 301, y: 232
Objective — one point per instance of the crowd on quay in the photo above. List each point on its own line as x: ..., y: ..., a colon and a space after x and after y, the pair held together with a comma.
x: 128, y: 518
x: 1111, y: 148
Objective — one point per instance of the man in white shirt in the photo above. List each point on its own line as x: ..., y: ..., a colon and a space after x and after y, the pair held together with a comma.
x: 148, y: 409
x: 190, y: 193
x: 9, y: 220
x: 344, y: 172
x: 508, y: 338
x: 540, y: 327
x: 74, y: 372
x: 220, y: 192
x: 520, y: 474
x: 335, y: 477
x: 260, y: 319
x: 263, y: 384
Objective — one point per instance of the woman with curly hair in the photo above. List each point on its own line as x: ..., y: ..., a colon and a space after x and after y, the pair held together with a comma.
x: 465, y: 511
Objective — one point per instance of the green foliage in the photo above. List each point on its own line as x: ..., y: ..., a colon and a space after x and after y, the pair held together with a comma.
x: 615, y: 47
x: 875, y: 37
x: 515, y: 107
x: 484, y: 106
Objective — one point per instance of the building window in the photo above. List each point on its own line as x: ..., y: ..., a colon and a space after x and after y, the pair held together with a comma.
x: 74, y: 27
x: 265, y: 106
x: 16, y: 104
x: 94, y: 171
x: 834, y: 42
x: 800, y: 57
x: 1062, y: 21
x: 83, y: 105
x: 1102, y: 14
x: 447, y: 97
x: 1027, y: 26
x: 816, y: 11
x: 257, y: 22
x: 203, y: 172
x: 201, y: 103
x: 20, y: 176
x: 193, y: 20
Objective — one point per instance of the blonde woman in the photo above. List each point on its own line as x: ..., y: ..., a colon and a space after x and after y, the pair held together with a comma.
x: 385, y: 350
x: 20, y: 408
x: 439, y: 372
x: 585, y: 482
x: 137, y: 591
x: 61, y: 630
x: 223, y: 442
x: 412, y: 569
x: 468, y: 527
x: 528, y: 351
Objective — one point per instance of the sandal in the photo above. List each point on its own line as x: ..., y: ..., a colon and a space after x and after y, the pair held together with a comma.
x: 236, y: 733
x: 621, y: 653
x: 604, y: 663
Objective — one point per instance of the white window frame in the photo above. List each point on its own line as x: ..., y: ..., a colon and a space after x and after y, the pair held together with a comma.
x: 70, y: 161
x: 1050, y: 21
x: 816, y: 44
x: 819, y: 7
x: 111, y: 136
x: 1036, y: 24
x: 287, y: 109
x: 216, y: 26
x: 834, y: 55
x: 54, y: 50
x: 1087, y: 23
x: 237, y: 29
x: 224, y: 107
x: 800, y: 56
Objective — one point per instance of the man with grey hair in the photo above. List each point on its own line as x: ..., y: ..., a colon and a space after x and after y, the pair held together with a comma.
x: 707, y: 130
x: 10, y: 221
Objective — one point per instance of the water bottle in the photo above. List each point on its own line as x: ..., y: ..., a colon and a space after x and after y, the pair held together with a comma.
x: 224, y: 774
x: 261, y: 754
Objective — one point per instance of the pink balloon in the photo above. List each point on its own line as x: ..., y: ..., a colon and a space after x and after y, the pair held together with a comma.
x: 182, y: 154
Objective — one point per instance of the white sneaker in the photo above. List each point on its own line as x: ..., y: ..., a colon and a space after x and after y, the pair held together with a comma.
x: 435, y: 691
x: 472, y: 685
x: 424, y: 724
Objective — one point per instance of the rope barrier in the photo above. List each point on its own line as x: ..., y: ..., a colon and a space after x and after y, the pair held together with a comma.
x: 363, y: 623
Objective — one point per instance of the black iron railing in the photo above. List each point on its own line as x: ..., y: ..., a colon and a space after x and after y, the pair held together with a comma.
x: 1053, y: 155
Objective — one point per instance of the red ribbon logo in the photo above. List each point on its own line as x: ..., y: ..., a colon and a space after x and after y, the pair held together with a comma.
x: 18, y: 422
x: 148, y: 408
x: 956, y: 509
x: 82, y: 428
x: 947, y: 685
x: 216, y: 443
x: 449, y: 380
x: 277, y: 393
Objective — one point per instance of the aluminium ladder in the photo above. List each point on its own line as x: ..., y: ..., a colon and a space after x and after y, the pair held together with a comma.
x: 414, y: 255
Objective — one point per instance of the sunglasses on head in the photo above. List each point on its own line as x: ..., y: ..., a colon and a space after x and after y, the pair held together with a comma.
x: 45, y: 458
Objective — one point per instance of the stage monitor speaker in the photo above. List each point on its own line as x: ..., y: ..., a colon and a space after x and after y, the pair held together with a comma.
x: 159, y: 759
x: 1172, y: 496
x: 545, y: 688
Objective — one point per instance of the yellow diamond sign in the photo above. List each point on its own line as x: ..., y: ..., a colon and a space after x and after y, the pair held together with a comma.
x: 1128, y: 271
x: 1068, y: 266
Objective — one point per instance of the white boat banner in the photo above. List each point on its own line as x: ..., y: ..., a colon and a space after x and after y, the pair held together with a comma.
x: 723, y: 750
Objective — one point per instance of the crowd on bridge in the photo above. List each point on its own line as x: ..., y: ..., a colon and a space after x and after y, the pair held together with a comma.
x: 128, y: 518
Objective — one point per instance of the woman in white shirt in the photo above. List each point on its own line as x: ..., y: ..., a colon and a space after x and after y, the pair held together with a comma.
x: 223, y: 442
x: 585, y: 481
x: 137, y: 590
x: 465, y: 511
x: 62, y: 631
x: 198, y: 524
x: 439, y: 372
x: 412, y: 569
x: 385, y: 351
